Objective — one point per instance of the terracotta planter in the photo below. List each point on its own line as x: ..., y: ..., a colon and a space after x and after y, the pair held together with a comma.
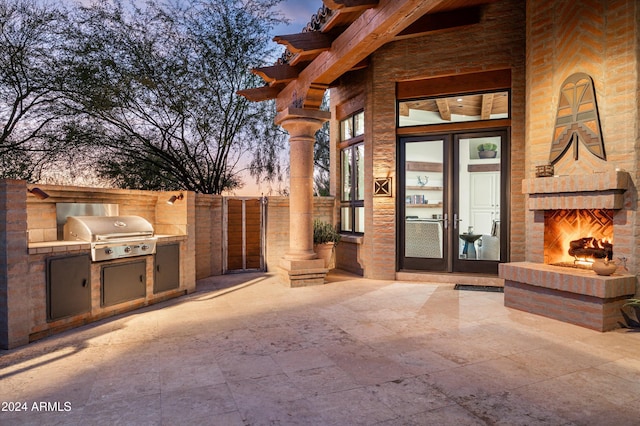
x: 325, y: 252
x: 601, y: 268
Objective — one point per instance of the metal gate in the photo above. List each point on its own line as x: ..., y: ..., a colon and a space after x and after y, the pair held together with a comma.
x: 245, y: 234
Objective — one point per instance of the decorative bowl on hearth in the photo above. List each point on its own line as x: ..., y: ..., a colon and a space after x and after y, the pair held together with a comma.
x: 604, y: 267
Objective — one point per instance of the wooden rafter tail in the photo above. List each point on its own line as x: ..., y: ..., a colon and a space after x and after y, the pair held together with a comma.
x: 350, y: 5
x: 275, y: 74
x: 311, y: 42
x: 260, y: 94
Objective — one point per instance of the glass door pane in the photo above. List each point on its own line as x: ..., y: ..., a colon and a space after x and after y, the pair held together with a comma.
x: 424, y: 205
x: 476, y: 218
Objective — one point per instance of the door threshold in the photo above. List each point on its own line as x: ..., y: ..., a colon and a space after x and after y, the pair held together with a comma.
x: 450, y: 278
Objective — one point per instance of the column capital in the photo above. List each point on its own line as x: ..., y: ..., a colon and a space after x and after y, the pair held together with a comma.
x: 301, y: 121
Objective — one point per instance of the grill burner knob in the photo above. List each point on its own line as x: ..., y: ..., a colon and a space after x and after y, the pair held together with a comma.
x: 144, y: 247
x: 127, y: 249
x: 108, y: 251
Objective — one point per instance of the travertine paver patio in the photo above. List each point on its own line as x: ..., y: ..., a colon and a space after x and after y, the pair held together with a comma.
x: 244, y: 349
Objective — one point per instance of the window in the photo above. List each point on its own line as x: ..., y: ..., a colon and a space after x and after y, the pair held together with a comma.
x: 352, y: 176
x: 454, y: 109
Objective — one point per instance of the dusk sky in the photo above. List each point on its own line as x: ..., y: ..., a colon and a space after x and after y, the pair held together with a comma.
x: 299, y: 12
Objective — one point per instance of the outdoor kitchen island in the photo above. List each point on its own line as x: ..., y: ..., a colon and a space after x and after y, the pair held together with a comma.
x: 76, y: 290
x: 144, y: 254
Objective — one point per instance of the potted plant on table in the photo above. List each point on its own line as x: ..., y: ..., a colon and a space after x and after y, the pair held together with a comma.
x: 325, y: 238
x: 487, y: 150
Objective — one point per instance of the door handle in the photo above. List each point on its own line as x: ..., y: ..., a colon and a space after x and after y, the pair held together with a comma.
x: 456, y: 220
x: 445, y: 221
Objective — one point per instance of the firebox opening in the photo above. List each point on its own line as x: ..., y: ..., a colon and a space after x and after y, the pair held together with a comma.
x: 577, y: 237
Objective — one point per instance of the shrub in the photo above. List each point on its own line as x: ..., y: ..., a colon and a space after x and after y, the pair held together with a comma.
x: 324, y: 232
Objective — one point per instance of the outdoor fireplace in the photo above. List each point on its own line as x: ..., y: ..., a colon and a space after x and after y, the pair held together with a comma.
x: 578, y: 218
x: 576, y: 237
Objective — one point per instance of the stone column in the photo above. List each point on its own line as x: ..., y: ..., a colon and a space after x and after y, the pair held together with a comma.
x: 14, y: 265
x: 301, y: 264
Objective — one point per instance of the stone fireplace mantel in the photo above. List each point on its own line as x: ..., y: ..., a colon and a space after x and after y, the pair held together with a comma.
x: 603, y: 190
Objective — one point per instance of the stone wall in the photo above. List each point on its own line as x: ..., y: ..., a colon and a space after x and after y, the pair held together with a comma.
x: 14, y: 305
x: 209, y: 235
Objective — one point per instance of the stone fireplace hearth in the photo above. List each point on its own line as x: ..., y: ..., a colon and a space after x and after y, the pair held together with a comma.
x: 566, y: 208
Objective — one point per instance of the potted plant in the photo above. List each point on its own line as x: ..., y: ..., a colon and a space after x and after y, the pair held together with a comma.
x: 487, y: 150
x: 325, y: 238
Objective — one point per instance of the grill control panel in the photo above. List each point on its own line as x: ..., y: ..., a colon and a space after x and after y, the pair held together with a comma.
x: 117, y: 250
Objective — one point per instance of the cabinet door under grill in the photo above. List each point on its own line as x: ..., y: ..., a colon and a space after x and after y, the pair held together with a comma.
x: 68, y: 286
x: 123, y: 282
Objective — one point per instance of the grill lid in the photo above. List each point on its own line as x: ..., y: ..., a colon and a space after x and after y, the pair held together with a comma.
x: 101, y: 228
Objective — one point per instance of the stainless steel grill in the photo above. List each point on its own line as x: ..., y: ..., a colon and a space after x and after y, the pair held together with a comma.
x: 112, y: 237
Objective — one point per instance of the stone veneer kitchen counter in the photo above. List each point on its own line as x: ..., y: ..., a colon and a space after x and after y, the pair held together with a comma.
x: 64, y: 246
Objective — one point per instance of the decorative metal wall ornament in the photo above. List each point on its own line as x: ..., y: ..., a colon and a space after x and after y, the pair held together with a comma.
x: 577, y: 119
x: 382, y: 187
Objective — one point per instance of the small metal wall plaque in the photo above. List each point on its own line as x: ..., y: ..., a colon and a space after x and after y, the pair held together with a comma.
x: 382, y: 187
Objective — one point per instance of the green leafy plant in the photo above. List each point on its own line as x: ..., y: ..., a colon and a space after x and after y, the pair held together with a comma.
x: 487, y: 147
x: 324, y: 232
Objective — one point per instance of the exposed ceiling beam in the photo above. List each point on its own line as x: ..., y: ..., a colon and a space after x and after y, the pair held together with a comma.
x: 443, y: 108
x: 487, y: 106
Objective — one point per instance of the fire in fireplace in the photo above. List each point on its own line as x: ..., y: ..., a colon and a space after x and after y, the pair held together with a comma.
x: 580, y: 235
x: 590, y: 248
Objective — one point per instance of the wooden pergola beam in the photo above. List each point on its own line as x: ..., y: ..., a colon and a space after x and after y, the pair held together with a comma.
x: 371, y: 30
